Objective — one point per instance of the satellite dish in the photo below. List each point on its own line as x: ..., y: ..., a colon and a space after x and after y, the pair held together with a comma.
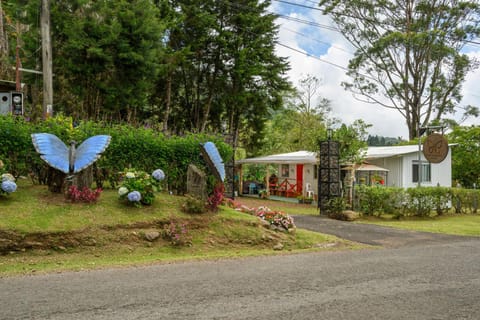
x: 213, y: 159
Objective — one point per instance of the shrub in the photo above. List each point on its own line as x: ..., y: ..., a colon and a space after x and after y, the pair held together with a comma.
x: 144, y: 148
x: 194, y: 205
x: 85, y: 195
x: 465, y: 200
x: 7, y: 181
x: 216, y: 198
x: 421, y: 201
x: 177, y: 233
x: 139, y: 187
x: 336, y: 205
x: 373, y: 200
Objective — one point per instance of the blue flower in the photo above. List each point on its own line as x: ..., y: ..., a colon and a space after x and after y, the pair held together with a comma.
x: 9, y: 186
x: 158, y: 175
x: 134, y: 196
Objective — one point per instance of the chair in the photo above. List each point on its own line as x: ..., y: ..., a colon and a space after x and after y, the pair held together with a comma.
x: 309, y: 191
x: 252, y: 188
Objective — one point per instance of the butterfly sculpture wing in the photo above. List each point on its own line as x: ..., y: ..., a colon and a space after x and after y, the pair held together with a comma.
x: 214, y: 160
x: 52, y: 150
x: 89, y: 151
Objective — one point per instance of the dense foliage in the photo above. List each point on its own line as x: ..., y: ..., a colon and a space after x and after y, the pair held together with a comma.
x: 422, y: 202
x: 182, y: 65
x: 141, y: 148
x: 466, y: 156
x: 409, y: 54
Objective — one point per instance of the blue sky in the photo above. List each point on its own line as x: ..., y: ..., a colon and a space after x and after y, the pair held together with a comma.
x: 332, y: 53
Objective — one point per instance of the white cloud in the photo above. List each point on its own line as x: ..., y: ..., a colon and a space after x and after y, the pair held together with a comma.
x: 385, y: 122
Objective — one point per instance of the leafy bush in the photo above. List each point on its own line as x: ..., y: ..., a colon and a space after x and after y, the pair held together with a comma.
x: 194, y: 205
x: 216, y: 198
x: 177, y: 233
x: 465, y: 200
x: 375, y: 200
x: 336, y: 205
x: 139, y: 187
x: 85, y: 195
x: 421, y: 201
x: 139, y: 147
x: 7, y: 181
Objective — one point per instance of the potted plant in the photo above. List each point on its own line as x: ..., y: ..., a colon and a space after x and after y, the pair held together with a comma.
x: 263, y: 194
x: 304, y: 199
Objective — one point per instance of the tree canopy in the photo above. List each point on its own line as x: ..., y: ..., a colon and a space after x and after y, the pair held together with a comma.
x: 466, y: 155
x: 181, y: 65
x: 409, y: 54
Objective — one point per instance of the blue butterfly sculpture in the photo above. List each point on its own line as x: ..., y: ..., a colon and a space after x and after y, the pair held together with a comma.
x: 68, y: 159
x: 214, y: 160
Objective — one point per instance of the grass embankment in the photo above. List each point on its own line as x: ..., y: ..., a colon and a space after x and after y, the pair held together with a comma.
x: 41, y: 232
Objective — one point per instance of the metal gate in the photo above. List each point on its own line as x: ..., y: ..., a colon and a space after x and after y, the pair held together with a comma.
x: 328, y: 173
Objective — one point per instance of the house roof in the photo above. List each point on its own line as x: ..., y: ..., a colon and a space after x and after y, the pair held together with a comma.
x: 284, y: 158
x: 387, y: 152
x: 311, y: 157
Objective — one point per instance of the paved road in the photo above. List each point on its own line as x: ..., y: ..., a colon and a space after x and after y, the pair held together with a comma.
x: 440, y: 280
x: 373, y: 234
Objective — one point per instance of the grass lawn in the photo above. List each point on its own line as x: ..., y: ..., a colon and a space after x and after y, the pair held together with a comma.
x: 457, y: 224
x: 42, y: 232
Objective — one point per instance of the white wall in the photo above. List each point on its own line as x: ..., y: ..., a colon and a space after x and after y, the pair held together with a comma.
x: 400, y: 171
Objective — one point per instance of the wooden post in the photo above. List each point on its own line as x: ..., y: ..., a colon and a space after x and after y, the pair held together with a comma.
x: 46, y: 60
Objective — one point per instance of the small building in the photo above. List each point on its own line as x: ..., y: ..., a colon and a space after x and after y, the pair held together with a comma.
x: 11, y: 101
x: 390, y: 166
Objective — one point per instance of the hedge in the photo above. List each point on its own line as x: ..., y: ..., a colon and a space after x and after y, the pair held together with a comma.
x: 422, y: 202
x: 141, y: 148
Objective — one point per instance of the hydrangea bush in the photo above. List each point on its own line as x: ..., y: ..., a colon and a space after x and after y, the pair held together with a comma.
x: 7, y: 181
x: 138, y: 187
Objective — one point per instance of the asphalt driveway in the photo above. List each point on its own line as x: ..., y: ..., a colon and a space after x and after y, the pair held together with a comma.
x: 373, y: 234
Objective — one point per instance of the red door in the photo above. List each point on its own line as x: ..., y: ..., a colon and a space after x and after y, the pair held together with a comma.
x: 299, y: 178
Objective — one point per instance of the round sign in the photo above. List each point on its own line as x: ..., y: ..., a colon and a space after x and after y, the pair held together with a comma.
x: 435, y: 148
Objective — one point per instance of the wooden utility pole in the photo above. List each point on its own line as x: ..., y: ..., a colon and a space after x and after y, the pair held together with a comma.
x: 3, y: 35
x: 46, y: 60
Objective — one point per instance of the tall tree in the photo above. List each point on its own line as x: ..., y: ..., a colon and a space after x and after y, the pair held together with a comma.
x: 408, y: 54
x: 256, y: 76
x: 466, y: 155
x: 106, y: 55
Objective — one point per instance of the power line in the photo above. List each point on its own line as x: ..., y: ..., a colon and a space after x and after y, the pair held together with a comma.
x: 315, y: 40
x: 315, y: 24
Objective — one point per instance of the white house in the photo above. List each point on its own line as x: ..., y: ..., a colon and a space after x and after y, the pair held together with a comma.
x: 402, y: 163
x: 399, y: 165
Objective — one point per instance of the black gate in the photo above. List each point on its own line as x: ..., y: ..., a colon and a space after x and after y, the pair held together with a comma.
x: 328, y: 173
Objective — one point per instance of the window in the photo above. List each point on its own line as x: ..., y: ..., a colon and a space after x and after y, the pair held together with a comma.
x: 285, y: 169
x: 425, y: 171
x: 315, y: 171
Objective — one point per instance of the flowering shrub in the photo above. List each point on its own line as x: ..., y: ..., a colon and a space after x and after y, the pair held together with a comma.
x: 216, y: 198
x: 7, y: 182
x: 138, y: 187
x: 177, y: 233
x: 278, y: 219
x: 84, y: 195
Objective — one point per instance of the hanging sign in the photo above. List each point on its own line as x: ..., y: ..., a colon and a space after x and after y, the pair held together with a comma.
x: 435, y: 148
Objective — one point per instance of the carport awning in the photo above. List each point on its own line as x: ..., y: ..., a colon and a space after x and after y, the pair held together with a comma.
x: 301, y: 157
